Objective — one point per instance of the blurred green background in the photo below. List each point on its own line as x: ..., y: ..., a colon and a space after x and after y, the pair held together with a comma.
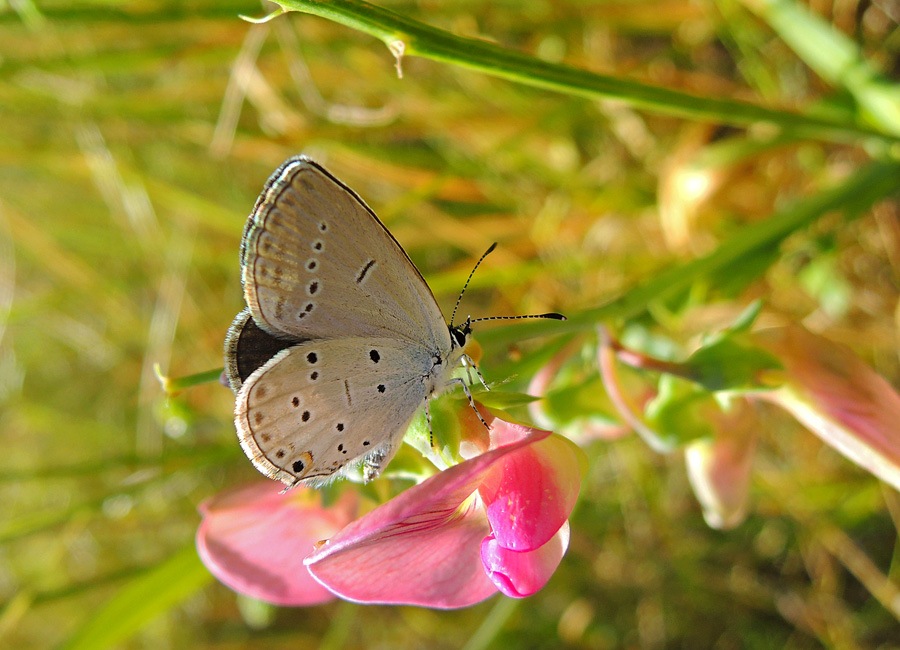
x: 134, y: 139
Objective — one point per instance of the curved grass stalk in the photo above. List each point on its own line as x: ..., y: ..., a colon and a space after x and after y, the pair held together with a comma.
x: 412, y: 38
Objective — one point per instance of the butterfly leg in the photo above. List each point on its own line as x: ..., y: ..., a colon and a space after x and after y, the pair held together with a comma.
x: 457, y: 380
x: 428, y: 420
x: 469, y: 363
x: 374, y: 463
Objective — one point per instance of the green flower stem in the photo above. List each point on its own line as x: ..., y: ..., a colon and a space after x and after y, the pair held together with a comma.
x: 853, y: 196
x: 418, y: 39
x: 173, y: 385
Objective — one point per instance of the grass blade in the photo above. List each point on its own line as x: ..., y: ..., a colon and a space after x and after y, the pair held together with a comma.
x: 144, y: 598
x: 418, y: 39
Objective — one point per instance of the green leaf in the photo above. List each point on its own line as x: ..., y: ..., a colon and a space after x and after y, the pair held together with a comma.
x: 724, y: 364
x: 505, y: 399
x: 584, y: 400
x: 140, y: 601
x: 746, y: 318
x: 441, y: 439
x: 678, y: 412
x: 257, y: 614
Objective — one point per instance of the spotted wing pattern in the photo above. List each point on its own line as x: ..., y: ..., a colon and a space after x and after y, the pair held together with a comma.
x: 317, y: 263
x: 322, y: 405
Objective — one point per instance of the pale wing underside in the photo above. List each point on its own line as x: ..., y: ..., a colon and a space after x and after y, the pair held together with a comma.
x: 322, y: 405
x: 317, y: 263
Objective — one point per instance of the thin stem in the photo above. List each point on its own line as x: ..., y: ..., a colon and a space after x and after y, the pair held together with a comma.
x: 854, y: 195
x: 419, y: 39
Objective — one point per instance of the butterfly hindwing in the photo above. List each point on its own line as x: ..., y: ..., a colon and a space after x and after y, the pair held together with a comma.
x: 321, y: 405
x: 317, y: 263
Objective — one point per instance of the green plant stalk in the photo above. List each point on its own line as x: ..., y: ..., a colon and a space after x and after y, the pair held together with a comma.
x: 834, y: 57
x: 174, y: 385
x: 418, y: 39
x: 865, y: 187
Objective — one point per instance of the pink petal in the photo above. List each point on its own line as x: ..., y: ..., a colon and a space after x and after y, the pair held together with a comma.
x: 839, y: 398
x: 530, y: 494
x: 254, y: 539
x: 719, y: 469
x: 419, y: 548
x: 521, y: 574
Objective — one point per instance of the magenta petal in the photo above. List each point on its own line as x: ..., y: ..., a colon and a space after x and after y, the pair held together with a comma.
x: 419, y: 548
x: 254, y: 539
x: 530, y: 494
x: 521, y: 574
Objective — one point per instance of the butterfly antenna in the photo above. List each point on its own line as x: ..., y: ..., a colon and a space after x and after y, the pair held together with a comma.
x: 552, y: 315
x: 486, y: 253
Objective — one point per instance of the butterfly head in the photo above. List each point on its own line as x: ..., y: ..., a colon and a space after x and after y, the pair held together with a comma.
x: 459, y: 335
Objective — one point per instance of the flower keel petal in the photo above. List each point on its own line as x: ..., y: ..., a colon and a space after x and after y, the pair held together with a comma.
x: 518, y: 575
x: 529, y: 494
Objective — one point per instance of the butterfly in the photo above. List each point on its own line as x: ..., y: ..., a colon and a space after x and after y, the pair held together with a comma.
x: 342, y: 340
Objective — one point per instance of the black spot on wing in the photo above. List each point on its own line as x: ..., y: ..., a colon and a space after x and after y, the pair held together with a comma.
x: 364, y: 271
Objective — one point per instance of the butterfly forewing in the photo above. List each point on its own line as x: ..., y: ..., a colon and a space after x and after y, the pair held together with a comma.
x: 317, y: 263
x: 324, y: 404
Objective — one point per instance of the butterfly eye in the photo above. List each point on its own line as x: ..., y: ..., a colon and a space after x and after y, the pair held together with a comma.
x: 458, y: 336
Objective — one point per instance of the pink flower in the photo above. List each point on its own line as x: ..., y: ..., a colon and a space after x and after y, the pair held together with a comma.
x: 497, y: 521
x: 823, y: 385
x: 254, y: 539
x: 719, y: 467
x: 837, y: 397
